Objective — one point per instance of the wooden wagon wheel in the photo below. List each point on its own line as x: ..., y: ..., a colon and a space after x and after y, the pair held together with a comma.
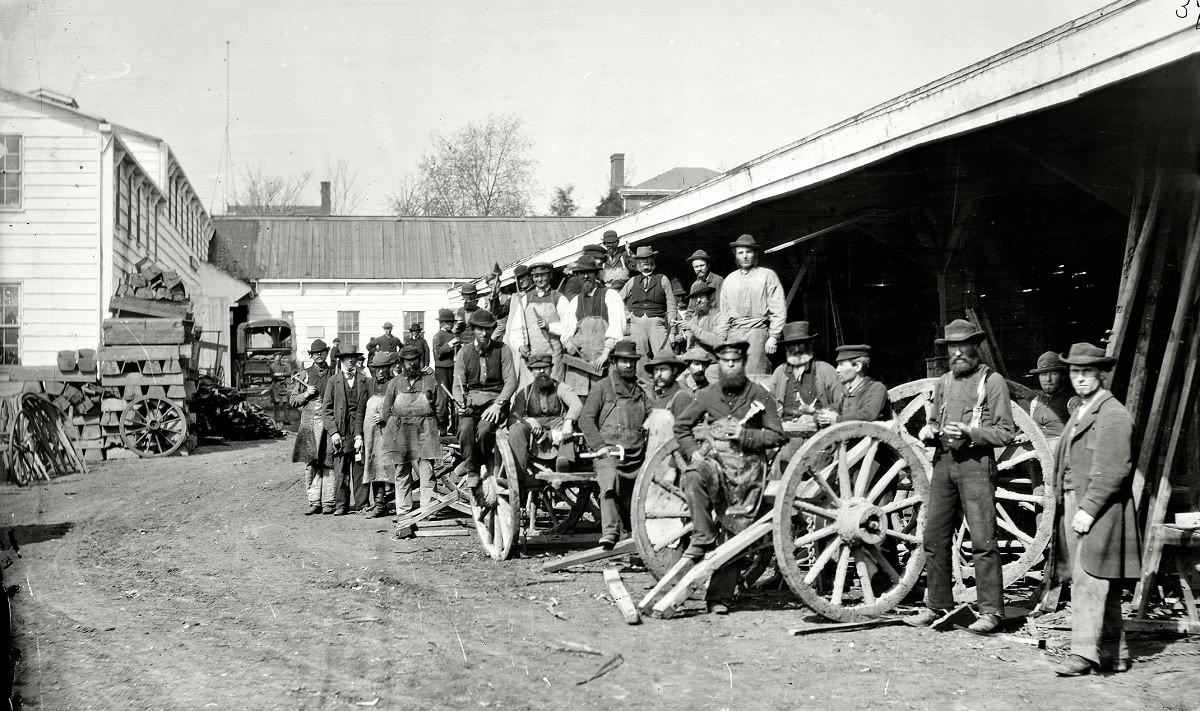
x: 1025, y: 500
x: 553, y: 510
x: 153, y: 426
x: 496, y: 504
x: 25, y: 463
x: 848, y: 520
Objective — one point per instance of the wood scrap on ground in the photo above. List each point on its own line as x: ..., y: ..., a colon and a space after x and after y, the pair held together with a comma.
x: 590, y: 555
x: 620, y: 596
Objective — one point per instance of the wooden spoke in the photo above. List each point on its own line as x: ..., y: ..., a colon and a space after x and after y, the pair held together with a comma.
x: 671, y: 489
x: 843, y: 469
x: 1003, y: 521
x: 864, y: 578
x: 901, y: 504
x: 880, y: 560
x: 667, y: 542
x: 903, y: 537
x: 802, y: 505
x: 1024, y: 456
x: 810, y: 538
x: 823, y: 560
x: 660, y: 513
x: 839, y: 576
x: 1014, y: 496
x: 883, y: 485
x: 867, y: 468
x: 825, y: 486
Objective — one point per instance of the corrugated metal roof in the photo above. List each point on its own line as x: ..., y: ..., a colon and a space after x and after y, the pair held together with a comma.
x: 281, y: 247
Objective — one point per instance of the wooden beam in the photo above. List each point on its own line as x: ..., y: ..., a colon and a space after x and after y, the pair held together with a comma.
x: 590, y: 555
x: 1131, y: 273
x: 1135, y: 390
x: 800, y: 274
x: 620, y: 596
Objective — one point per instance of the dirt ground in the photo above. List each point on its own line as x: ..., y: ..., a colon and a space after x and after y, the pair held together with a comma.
x: 196, y: 582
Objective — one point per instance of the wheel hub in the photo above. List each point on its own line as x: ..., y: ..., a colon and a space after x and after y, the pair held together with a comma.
x: 860, y: 522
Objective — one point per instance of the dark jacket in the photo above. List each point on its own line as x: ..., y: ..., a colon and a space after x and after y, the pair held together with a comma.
x: 339, y: 418
x: 761, y: 432
x: 868, y: 401
x: 1099, y: 455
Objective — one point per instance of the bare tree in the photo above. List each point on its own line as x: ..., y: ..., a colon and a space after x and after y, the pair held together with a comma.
x: 263, y: 194
x: 563, y: 204
x: 346, y: 195
x: 481, y: 169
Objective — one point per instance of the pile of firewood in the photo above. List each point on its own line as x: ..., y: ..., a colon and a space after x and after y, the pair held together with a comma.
x: 151, y: 282
x: 223, y: 412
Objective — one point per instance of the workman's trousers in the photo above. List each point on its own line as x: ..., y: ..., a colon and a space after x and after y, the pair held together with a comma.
x: 757, y: 362
x: 443, y: 376
x: 702, y: 489
x: 319, y: 485
x: 349, y: 494
x: 410, y: 474
x: 958, y: 489
x: 477, y: 438
x: 616, y: 497
x: 1097, y: 632
x: 650, y: 335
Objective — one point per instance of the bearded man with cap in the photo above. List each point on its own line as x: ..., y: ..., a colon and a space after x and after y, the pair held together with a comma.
x: 470, y: 296
x: 409, y: 421
x: 415, y: 338
x: 445, y: 346
x: 385, y: 342
x: 543, y: 413
x: 701, y: 323
x: 969, y: 419
x: 535, y: 321
x: 864, y: 398
x: 612, y: 423
x: 753, y: 307
x: 592, y: 324
x: 702, y: 266
x: 310, y: 437
x: 1055, y: 403
x: 1097, y: 531
x: 650, y: 305
x: 698, y: 361
x: 571, y: 286
x: 485, y: 379
x: 724, y: 436
x: 808, y: 390
x: 376, y: 474
x: 617, y: 267
x: 345, y: 403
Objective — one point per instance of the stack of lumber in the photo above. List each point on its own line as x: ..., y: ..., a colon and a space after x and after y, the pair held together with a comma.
x: 223, y: 412
x: 152, y: 283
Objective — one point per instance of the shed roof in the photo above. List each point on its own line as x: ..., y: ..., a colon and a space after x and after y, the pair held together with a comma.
x: 674, y: 179
x: 334, y: 247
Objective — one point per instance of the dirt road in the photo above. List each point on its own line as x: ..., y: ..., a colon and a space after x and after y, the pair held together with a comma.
x: 193, y: 583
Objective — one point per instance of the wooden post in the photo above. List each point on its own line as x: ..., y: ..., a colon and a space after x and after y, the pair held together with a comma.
x: 1135, y: 390
x: 1131, y: 275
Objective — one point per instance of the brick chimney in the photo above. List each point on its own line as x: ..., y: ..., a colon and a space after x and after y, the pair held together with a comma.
x: 326, y: 200
x: 616, y: 167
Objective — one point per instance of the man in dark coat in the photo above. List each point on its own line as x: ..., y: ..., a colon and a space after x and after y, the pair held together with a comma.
x: 668, y: 399
x: 445, y: 347
x: 971, y: 417
x: 865, y: 398
x: 385, y: 342
x: 485, y: 379
x: 310, y: 437
x: 1097, y: 532
x: 702, y: 266
x: 417, y: 339
x: 543, y: 414
x: 345, y: 404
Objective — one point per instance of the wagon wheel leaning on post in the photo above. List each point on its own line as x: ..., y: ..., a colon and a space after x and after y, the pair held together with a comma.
x: 496, y: 502
x: 152, y: 426
x: 848, y: 520
x: 1025, y: 500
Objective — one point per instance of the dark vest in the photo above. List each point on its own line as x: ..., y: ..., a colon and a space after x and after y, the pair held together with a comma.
x: 534, y: 407
x: 494, y: 382
x: 592, y: 305
x: 651, y: 301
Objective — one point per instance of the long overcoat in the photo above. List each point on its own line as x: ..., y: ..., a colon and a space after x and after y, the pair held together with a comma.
x: 341, y: 419
x: 1098, y: 452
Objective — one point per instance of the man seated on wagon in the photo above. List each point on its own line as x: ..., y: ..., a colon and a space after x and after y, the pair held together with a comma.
x: 865, y: 398
x: 543, y: 415
x: 699, y: 361
x: 484, y: 380
x: 724, y: 435
x: 668, y: 399
x: 807, y: 389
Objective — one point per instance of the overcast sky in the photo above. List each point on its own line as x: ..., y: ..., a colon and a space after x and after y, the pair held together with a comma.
x: 669, y: 84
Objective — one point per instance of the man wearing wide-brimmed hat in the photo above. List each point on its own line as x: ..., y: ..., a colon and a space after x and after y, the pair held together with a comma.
x: 613, y: 417
x: 617, y: 267
x: 700, y: 326
x: 310, y: 444
x: 593, y: 322
x: 807, y: 389
x: 445, y: 346
x: 535, y: 322
x: 571, y: 285
x: 650, y: 306
x: 698, y: 362
x: 668, y: 399
x: 969, y: 419
x: 727, y: 462
x: 753, y: 306
x: 1051, y: 408
x: 701, y: 264
x: 470, y: 297
x: 411, y: 441
x: 344, y: 404
x: 376, y: 474
x: 485, y: 379
x: 543, y: 416
x: 1098, y: 537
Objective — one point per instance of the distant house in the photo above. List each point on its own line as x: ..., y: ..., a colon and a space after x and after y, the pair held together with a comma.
x: 82, y: 199
x: 662, y: 186
x: 345, y: 276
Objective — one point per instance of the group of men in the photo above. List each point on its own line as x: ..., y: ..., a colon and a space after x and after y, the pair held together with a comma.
x: 611, y: 358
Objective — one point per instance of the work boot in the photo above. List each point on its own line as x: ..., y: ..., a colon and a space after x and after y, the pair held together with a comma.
x: 924, y: 618
x: 1074, y: 665
x: 312, y: 510
x: 327, y: 510
x: 986, y: 624
x: 607, y: 541
x: 717, y: 607
x: 380, y: 510
x: 697, y: 551
x: 1115, y: 666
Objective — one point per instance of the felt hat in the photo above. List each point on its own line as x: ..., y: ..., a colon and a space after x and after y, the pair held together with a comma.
x: 699, y: 254
x: 742, y: 347
x: 696, y: 354
x: 318, y: 346
x: 410, y: 352
x: 852, y: 351
x: 416, y: 326
x: 469, y: 290
x: 678, y: 290
x: 383, y: 359
x: 539, y: 360
x: 610, y: 236
x: 387, y: 324
x: 446, y: 315
x: 645, y: 253
x: 482, y: 318
x: 1048, y: 362
x: 961, y: 330
x: 594, y: 249
x: 541, y: 268
x: 520, y: 270
x: 668, y: 359
x: 342, y: 355
x: 1087, y: 354
x: 585, y: 265
x: 625, y: 348
x: 796, y: 332
x: 699, y: 288
x: 745, y: 241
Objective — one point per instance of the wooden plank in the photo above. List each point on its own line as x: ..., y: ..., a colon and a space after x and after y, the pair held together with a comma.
x: 1181, y: 626
x: 435, y: 532
x: 1135, y: 391
x: 846, y: 626
x: 620, y: 596
x: 139, y: 352
x: 139, y: 331
x: 1131, y: 275
x: 666, y: 583
x: 591, y: 555
x: 112, y: 404
x: 141, y: 379
x: 46, y: 372
x: 176, y: 392
x: 152, y: 367
x: 699, y: 573
x: 133, y: 306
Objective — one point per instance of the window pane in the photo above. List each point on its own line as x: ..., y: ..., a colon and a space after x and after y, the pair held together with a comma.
x: 348, y: 330
x: 10, y: 322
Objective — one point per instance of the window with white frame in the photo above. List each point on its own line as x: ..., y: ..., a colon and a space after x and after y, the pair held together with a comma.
x: 10, y: 171
x: 347, y: 326
x: 10, y: 323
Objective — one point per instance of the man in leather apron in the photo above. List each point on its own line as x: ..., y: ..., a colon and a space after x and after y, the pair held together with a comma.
x: 543, y: 416
x: 376, y: 472
x: 310, y: 437
x: 410, y: 431
x: 592, y: 324
x: 612, y: 424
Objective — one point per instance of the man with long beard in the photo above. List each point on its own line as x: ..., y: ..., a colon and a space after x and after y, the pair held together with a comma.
x: 411, y: 442
x: 485, y: 379
x: 698, y: 361
x: 970, y: 417
x: 808, y: 390
x: 593, y: 322
x: 727, y: 469
x: 310, y: 437
x: 753, y: 306
x: 542, y: 412
x: 344, y: 403
x: 613, y: 417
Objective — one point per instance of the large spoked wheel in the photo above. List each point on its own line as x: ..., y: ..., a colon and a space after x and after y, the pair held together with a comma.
x: 1025, y: 499
x: 496, y: 504
x: 849, y: 518
x: 153, y: 426
x: 659, y: 512
x: 552, y: 511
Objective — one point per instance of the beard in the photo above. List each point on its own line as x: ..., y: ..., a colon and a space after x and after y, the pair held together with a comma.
x: 734, y: 382
x: 627, y: 375
x: 700, y: 378
x: 663, y: 384
x: 964, y: 365
x: 798, y: 360
x: 545, y: 384
x: 412, y: 371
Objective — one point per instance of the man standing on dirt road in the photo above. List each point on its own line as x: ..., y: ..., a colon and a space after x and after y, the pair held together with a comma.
x: 345, y: 403
x: 310, y: 437
x: 410, y: 431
